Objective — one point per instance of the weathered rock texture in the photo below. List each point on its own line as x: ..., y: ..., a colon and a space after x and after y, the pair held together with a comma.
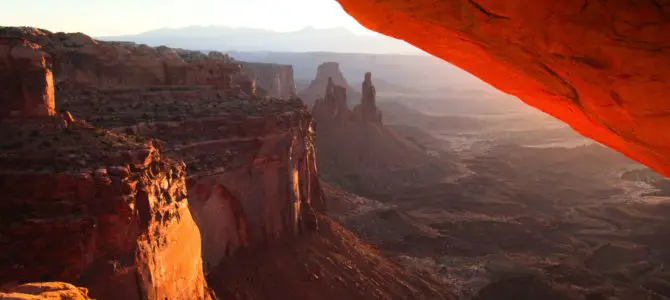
x: 26, y: 81
x: 334, y: 104
x: 367, y: 111
x: 277, y: 80
x: 601, y: 66
x: 251, y: 165
x: 88, y: 205
x: 80, y: 61
x: 98, y: 209
x: 316, y: 88
x: 46, y: 290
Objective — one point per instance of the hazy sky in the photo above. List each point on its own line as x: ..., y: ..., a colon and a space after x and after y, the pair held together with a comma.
x: 117, y: 17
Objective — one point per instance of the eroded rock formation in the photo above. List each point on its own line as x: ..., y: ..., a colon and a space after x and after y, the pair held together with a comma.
x: 26, y: 81
x: 316, y: 88
x: 87, y: 205
x: 276, y: 79
x: 251, y: 165
x: 600, y: 66
x: 367, y: 111
x: 247, y: 84
x: 334, y: 104
x: 108, y: 210
x: 46, y: 290
x: 96, y: 208
x: 80, y: 61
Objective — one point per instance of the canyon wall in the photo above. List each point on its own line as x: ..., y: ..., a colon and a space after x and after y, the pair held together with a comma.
x: 600, y: 66
x: 276, y: 80
x: 98, y: 209
x: 80, y: 61
x: 108, y: 210
x: 26, y: 80
x: 251, y: 165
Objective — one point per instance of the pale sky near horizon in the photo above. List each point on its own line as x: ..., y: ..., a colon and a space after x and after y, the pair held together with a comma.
x: 121, y: 17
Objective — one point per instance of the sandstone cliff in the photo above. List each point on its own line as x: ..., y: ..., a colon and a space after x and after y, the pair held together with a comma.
x: 600, y: 66
x: 80, y: 61
x: 251, y: 165
x: 86, y: 205
x: 27, y: 80
x: 276, y: 80
x: 48, y: 290
x: 316, y: 88
x: 96, y: 208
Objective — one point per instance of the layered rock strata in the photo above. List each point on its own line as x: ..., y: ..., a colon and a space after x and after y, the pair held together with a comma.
x: 95, y: 208
x: 87, y: 205
x: 600, y: 66
x: 251, y: 164
x: 80, y: 61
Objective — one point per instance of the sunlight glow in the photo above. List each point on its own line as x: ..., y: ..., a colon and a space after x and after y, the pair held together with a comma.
x: 122, y: 17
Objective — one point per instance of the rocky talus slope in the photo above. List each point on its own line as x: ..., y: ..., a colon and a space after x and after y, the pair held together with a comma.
x: 600, y: 66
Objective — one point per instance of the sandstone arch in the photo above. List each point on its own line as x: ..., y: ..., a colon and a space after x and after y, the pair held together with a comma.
x: 601, y: 66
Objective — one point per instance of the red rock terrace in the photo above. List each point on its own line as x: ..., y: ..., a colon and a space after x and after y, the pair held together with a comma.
x: 88, y: 205
x: 107, y: 209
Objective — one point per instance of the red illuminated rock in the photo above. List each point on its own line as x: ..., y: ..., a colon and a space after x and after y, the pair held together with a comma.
x: 87, y: 205
x: 97, y: 209
x: 251, y: 164
x: 600, y: 66
x: 45, y: 290
x: 26, y: 81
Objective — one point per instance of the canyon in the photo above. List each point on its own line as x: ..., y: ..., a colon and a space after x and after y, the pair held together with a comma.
x: 147, y: 173
x: 138, y: 172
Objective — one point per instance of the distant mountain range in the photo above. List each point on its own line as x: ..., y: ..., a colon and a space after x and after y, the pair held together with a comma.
x: 249, y: 39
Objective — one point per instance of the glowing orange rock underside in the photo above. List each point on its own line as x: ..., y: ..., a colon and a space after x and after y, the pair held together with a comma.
x: 601, y: 67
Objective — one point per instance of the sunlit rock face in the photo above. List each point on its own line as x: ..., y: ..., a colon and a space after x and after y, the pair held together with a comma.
x: 44, y: 290
x: 600, y: 66
x: 86, y: 205
x: 98, y: 209
x: 251, y: 168
x: 26, y: 81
